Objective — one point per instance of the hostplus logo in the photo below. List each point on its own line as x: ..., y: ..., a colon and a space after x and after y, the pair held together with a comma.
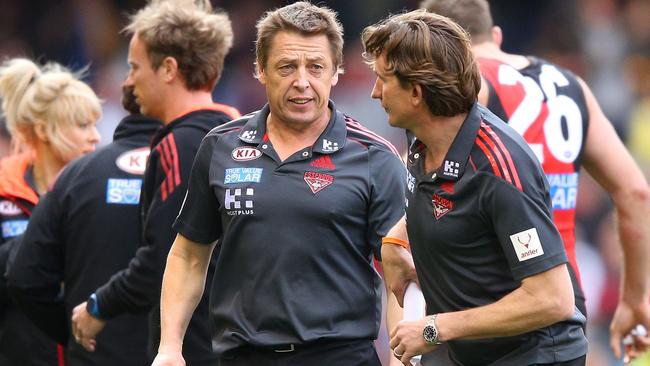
x: 329, y: 146
x: 249, y: 135
x: 452, y: 168
x: 239, y: 203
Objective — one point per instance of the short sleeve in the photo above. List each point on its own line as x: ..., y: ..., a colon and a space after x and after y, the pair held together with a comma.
x: 387, y: 175
x: 199, y: 219
x: 524, y: 227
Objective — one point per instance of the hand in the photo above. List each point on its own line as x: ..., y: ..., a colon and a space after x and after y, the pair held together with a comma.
x: 625, y: 319
x: 169, y: 359
x: 406, y: 340
x: 399, y: 269
x: 85, y: 327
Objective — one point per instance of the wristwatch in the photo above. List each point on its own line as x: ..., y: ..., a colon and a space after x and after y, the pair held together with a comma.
x: 92, y: 306
x: 430, y: 332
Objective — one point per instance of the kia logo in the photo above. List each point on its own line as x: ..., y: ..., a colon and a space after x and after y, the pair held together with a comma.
x: 245, y: 153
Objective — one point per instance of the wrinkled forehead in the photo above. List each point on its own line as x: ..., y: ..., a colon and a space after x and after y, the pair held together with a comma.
x: 285, y: 44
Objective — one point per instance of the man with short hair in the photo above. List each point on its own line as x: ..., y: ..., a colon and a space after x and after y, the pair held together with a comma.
x: 176, y: 56
x: 298, y: 196
x: 489, y: 259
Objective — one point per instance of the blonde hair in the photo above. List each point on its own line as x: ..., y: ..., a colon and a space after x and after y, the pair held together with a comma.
x: 50, y: 96
x: 190, y: 32
x: 303, y: 18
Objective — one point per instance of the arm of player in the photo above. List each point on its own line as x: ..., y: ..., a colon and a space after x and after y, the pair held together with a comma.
x: 397, y: 262
x: 182, y: 288
x: 610, y: 164
x: 541, y: 300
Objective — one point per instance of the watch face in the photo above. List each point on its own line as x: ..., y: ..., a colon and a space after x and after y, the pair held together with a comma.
x: 430, y: 334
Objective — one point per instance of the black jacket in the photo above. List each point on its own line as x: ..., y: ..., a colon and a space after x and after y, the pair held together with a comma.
x: 81, y: 233
x: 138, y: 287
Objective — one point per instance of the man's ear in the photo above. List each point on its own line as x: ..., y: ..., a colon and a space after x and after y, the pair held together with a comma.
x: 417, y: 94
x: 335, y: 78
x: 261, y: 75
x: 170, y: 68
x: 497, y: 35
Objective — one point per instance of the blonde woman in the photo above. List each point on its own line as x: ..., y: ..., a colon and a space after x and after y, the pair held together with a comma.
x: 51, y: 116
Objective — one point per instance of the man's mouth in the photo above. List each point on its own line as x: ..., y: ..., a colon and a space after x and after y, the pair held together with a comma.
x: 300, y: 101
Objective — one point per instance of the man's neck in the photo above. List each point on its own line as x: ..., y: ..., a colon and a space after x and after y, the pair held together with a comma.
x: 184, y: 102
x: 438, y: 133
x: 288, y: 138
x: 491, y: 50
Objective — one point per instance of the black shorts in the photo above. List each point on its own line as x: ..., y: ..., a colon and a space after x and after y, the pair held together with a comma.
x: 339, y: 353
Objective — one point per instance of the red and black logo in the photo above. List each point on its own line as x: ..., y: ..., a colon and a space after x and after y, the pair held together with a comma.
x: 441, y: 206
x: 317, y: 181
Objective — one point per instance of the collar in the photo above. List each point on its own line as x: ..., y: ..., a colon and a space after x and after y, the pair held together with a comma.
x: 12, y: 178
x: 453, y: 167
x: 331, y: 140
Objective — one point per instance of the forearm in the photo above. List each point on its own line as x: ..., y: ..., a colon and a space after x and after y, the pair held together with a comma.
x: 632, y: 211
x: 394, y: 312
x: 182, y: 288
x: 546, y: 301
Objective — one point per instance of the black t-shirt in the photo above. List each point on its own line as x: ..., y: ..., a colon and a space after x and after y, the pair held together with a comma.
x: 478, y: 226
x: 296, y: 236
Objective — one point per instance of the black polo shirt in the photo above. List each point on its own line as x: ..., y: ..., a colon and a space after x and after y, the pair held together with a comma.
x: 297, y: 236
x: 480, y: 224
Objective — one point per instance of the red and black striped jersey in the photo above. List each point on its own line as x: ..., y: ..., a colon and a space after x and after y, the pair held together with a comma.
x: 546, y: 105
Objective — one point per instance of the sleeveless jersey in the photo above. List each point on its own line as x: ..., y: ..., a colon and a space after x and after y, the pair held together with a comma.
x: 547, y: 106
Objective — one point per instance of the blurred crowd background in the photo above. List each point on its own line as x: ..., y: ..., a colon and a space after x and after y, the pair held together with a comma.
x: 607, y: 42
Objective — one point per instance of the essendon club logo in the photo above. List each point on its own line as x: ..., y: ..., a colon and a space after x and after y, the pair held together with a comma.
x: 441, y: 206
x: 317, y: 181
x: 246, y: 153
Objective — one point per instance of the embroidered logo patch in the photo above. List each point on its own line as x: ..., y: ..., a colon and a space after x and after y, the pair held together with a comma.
x: 330, y: 146
x: 238, y: 201
x: 245, y: 153
x: 324, y: 162
x: 451, y: 168
x: 527, y: 244
x: 441, y: 206
x: 410, y: 182
x: 8, y: 208
x: 123, y: 191
x: 317, y: 181
x: 13, y: 228
x: 133, y: 161
x: 249, y: 136
x: 242, y: 175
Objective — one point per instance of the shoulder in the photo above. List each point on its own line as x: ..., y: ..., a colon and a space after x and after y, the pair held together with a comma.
x: 500, y: 152
x: 356, y: 132
x: 231, y: 127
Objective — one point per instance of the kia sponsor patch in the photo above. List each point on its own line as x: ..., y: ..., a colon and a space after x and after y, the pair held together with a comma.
x: 133, y: 161
x: 245, y: 153
x: 317, y: 181
x: 8, y: 208
x: 123, y: 191
x: 527, y: 244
